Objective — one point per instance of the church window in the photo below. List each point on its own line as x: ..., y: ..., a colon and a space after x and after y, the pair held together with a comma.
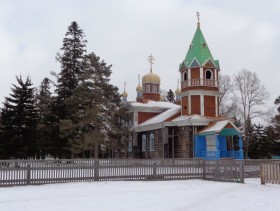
x: 139, y: 94
x: 144, y: 140
x: 209, y: 74
x: 154, y: 89
x: 152, y: 142
x: 185, y: 76
x: 148, y: 88
x: 130, y: 144
x: 144, y: 88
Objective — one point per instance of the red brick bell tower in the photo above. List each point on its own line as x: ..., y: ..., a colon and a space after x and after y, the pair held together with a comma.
x: 199, y: 79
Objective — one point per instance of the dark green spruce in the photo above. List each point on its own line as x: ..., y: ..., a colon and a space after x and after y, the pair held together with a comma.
x: 18, y: 122
x: 170, y: 96
x: 94, y: 106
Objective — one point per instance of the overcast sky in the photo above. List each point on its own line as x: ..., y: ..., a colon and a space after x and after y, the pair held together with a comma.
x: 240, y: 34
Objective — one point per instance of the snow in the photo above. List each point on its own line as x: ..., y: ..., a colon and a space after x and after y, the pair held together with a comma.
x: 162, y: 117
x: 191, y: 195
x: 189, y: 117
x: 152, y: 104
x: 216, y: 127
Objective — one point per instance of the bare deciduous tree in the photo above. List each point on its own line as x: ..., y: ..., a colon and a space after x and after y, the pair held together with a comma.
x: 227, y: 98
x: 252, y: 95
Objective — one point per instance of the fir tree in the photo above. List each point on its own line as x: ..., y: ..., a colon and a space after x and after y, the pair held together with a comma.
x: 73, y: 51
x: 276, y: 119
x: 18, y: 121
x: 119, y: 135
x: 170, y: 96
x: 248, y: 138
x: 92, y: 106
x: 48, y: 121
x: 71, y: 59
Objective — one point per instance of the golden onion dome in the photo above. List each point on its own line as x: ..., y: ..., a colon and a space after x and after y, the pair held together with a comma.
x: 124, y: 94
x: 139, y: 88
x: 177, y: 91
x: 151, y: 78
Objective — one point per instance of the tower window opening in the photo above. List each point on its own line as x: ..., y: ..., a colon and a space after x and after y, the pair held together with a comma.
x: 154, y: 89
x: 209, y: 74
x: 185, y: 76
x: 204, y: 45
x: 148, y: 88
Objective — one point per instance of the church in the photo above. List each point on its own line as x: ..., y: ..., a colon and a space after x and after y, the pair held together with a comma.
x: 191, y: 127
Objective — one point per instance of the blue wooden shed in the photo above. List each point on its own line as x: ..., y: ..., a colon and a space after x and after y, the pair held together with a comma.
x: 220, y: 139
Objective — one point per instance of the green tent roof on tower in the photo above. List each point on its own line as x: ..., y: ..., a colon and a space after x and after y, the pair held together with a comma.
x: 199, y: 51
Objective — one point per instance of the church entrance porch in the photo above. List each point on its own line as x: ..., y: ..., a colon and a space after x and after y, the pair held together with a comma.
x: 218, y: 140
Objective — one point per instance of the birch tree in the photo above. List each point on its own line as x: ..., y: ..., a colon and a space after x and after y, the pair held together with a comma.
x: 227, y: 98
x: 252, y: 96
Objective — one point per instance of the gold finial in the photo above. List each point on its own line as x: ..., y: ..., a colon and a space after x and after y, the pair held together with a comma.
x: 138, y: 79
x: 124, y: 86
x: 178, y: 83
x: 198, y: 19
x: 151, y: 58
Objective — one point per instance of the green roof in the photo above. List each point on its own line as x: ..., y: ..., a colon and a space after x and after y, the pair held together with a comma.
x: 199, y: 50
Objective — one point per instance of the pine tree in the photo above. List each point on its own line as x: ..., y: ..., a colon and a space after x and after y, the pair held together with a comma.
x: 119, y: 135
x: 73, y: 51
x: 71, y: 59
x: 274, y: 133
x: 18, y: 121
x: 170, y: 96
x: 276, y: 119
x: 92, y: 106
x: 248, y: 138
x: 48, y: 121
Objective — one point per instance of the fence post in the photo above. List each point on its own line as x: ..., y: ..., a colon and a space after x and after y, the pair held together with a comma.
x: 262, y: 174
x: 241, y: 171
x: 204, y: 169
x: 154, y: 170
x: 28, y: 174
x: 96, y: 170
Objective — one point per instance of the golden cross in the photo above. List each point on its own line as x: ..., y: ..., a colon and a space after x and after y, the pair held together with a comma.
x: 151, y: 59
x: 124, y: 86
x: 178, y: 83
x: 197, y: 15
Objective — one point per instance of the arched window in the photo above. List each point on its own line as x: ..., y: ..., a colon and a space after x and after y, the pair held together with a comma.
x: 144, y: 140
x: 152, y: 142
x: 185, y: 76
x: 209, y: 74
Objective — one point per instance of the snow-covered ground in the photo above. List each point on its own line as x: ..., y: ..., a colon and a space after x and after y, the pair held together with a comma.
x: 185, y: 195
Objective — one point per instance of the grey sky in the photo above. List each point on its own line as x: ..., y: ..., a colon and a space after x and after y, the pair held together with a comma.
x: 241, y: 34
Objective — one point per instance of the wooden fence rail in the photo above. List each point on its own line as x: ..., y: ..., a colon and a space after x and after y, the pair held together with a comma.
x: 224, y: 170
x: 270, y: 173
x: 252, y: 166
x: 24, y: 172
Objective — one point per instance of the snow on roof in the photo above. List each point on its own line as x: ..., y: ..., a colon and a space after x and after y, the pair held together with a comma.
x: 162, y: 117
x: 216, y: 126
x: 151, y: 104
x: 189, y: 117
